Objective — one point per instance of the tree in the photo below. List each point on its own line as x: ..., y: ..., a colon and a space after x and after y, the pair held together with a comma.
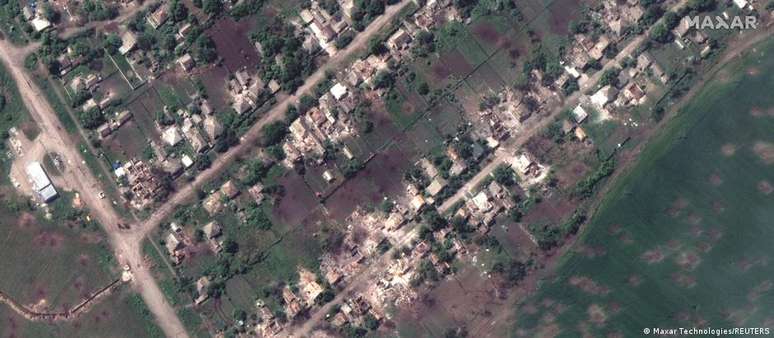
x: 230, y: 246
x: 212, y: 7
x: 609, y: 77
x: 376, y: 47
x: 203, y: 163
x: 660, y: 33
x: 383, y: 79
x: 371, y: 322
x: 423, y: 88
x: 205, y: 49
x: 178, y: 10
x: 671, y: 20
x: 504, y: 175
x: 256, y: 217
x: 50, y: 13
x: 91, y: 118
x: 240, y: 315
x: 703, y: 5
x: 344, y: 39
x: 274, y: 133
x: 305, y: 103
x: 111, y: 43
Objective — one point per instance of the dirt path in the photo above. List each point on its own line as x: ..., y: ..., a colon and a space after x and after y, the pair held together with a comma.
x: 252, y: 137
x: 127, y: 244
x: 366, y: 276
x: 126, y: 14
x: 77, y: 176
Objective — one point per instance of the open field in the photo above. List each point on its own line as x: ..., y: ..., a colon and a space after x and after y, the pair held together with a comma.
x: 120, y: 314
x: 691, y: 221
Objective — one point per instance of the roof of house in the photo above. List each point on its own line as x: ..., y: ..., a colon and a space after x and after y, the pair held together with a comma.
x: 128, y: 41
x: 38, y: 177
x: 436, y: 186
x: 212, y: 127
x: 40, y: 24
x: 399, y: 39
x: 158, y: 17
x: 171, y: 136
x: 339, y: 91
x: 213, y: 204
x: 481, y: 200
x: 579, y: 113
x: 212, y: 229
x: 173, y: 243
x: 241, y: 105
x: 604, y: 95
x: 229, y: 189
x: 683, y: 27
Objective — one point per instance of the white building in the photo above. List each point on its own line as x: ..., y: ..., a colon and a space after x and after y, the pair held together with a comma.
x: 41, y: 184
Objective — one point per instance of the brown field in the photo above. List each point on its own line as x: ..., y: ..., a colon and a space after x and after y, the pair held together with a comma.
x: 381, y: 177
x: 214, y: 79
x: 561, y: 13
x: 384, y: 129
x: 295, y: 204
x: 552, y: 210
x: 452, y: 63
x: 127, y: 142
x: 485, y: 80
x: 233, y: 44
x: 467, y: 300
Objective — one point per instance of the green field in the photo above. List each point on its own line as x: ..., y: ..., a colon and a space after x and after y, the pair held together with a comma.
x: 121, y: 314
x: 684, y: 239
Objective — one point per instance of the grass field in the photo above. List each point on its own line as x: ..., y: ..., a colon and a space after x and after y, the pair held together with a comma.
x: 57, y: 261
x: 121, y: 314
x: 690, y: 222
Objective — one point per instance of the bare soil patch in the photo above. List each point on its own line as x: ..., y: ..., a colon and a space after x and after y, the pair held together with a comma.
x: 590, y: 251
x: 48, y: 240
x: 294, y: 205
x: 26, y: 220
x: 688, y: 260
x: 684, y: 280
x: 765, y: 187
x: 677, y: 206
x: 759, y: 290
x: 764, y: 150
x: 597, y: 314
x: 486, y: 32
x: 232, y: 43
x: 653, y: 256
x: 715, y: 180
x: 588, y: 285
x: 634, y: 280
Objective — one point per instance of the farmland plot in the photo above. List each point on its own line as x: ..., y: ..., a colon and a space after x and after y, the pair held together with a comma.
x: 691, y: 221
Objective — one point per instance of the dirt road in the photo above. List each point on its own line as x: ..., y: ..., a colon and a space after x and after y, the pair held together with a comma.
x: 78, y: 177
x: 252, y: 137
x: 125, y: 14
x: 510, y: 147
x: 507, y: 150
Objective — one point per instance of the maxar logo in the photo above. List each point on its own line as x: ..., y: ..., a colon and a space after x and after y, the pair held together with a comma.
x: 719, y: 22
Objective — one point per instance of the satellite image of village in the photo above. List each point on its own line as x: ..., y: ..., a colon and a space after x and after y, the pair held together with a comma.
x: 386, y: 168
